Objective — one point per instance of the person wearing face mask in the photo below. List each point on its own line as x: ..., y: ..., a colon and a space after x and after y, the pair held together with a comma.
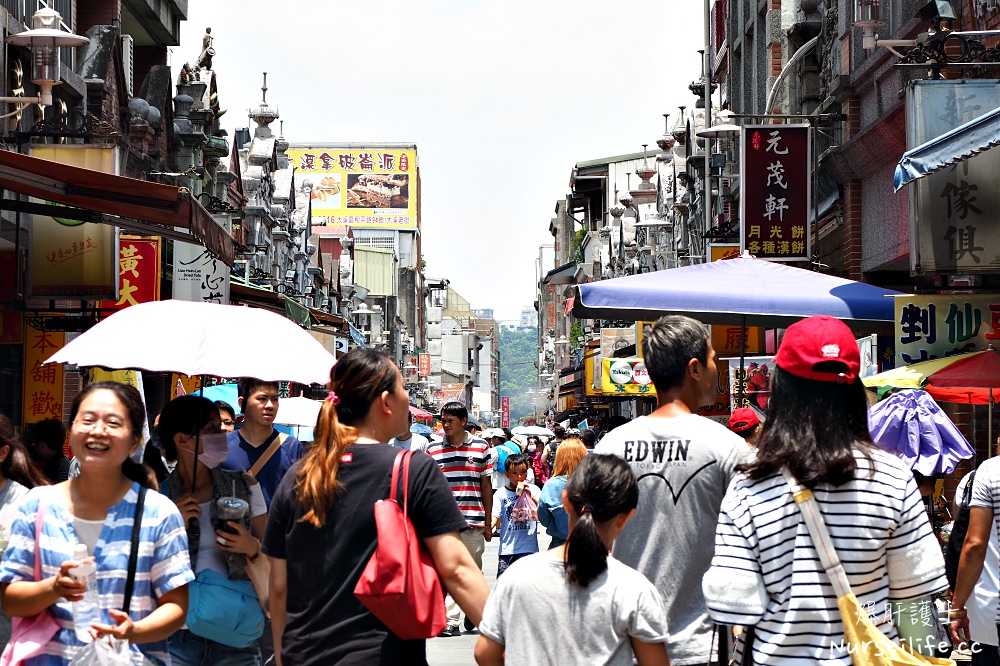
x: 190, y: 431
x: 534, y: 451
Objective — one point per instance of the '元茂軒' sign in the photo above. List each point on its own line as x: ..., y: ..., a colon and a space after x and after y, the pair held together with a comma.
x: 775, y: 191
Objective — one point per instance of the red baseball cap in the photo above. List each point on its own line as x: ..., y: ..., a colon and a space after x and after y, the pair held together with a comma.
x: 743, y: 419
x: 820, y: 348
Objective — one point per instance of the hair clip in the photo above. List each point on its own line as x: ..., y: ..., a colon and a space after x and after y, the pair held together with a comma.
x: 333, y: 397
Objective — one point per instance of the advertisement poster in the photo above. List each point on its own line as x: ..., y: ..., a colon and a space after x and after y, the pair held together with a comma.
x: 138, y: 272
x: 372, y: 187
x: 775, y: 191
x: 751, y: 386
x: 940, y: 325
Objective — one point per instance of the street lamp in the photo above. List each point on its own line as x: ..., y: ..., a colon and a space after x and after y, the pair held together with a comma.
x: 44, y: 39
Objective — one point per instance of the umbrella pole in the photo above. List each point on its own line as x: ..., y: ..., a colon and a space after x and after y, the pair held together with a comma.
x: 989, y: 427
x: 743, y: 355
x: 973, y: 409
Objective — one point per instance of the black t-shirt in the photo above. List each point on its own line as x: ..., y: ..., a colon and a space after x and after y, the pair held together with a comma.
x: 326, y: 624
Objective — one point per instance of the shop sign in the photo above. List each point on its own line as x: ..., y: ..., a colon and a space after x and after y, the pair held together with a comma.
x: 138, y: 272
x: 505, y: 411
x: 363, y: 187
x: 625, y: 376
x: 952, y: 211
x: 199, y: 275
x: 775, y: 191
x: 424, y: 365
x: 616, y: 339
x: 935, y: 326
x: 68, y: 258
x: 43, y: 384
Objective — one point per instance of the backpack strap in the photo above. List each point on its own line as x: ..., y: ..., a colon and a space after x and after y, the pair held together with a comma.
x: 133, y: 556
x: 276, y: 443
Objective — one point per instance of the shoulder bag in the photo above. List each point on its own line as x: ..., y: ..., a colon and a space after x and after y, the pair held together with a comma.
x: 400, y: 585
x: 953, y: 549
x: 866, y: 643
x: 259, y: 568
x: 30, y: 634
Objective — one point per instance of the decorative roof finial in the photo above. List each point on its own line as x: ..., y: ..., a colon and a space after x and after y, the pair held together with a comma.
x: 263, y: 89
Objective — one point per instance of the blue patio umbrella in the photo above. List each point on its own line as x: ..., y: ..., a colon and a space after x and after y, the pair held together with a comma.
x: 421, y: 429
x: 912, y: 425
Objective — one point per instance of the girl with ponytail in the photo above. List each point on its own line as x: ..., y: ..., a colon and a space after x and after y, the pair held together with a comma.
x: 622, y: 612
x: 321, y: 524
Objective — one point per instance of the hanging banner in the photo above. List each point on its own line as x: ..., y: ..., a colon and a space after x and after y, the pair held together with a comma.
x: 775, y: 191
x: 505, y: 411
x: 199, y: 276
x: 11, y: 321
x: 939, y: 325
x: 625, y: 376
x: 43, y: 384
x: 424, y: 365
x: 138, y: 272
x: 68, y: 258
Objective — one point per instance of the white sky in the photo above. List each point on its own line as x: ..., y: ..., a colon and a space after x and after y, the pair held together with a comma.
x: 502, y: 98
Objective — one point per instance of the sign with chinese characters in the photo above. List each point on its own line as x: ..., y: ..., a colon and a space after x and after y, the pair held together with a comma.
x: 199, y: 276
x: 43, y: 384
x: 372, y: 187
x: 953, y: 212
x: 68, y: 258
x: 505, y: 411
x: 138, y: 272
x: 751, y: 386
x: 935, y: 326
x: 775, y: 191
x: 424, y: 365
x: 625, y: 376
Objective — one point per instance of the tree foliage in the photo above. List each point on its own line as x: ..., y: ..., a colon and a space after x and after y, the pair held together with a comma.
x: 518, y: 374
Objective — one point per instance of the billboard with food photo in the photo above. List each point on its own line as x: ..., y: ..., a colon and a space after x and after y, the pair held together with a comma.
x: 370, y: 187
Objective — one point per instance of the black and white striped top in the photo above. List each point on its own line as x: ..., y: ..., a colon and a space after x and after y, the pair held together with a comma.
x: 881, y: 533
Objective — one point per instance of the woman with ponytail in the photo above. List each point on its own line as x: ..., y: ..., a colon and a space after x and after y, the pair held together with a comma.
x: 621, y: 614
x: 98, y: 509
x: 321, y: 525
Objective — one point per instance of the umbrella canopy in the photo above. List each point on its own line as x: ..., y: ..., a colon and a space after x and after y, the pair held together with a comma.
x: 421, y: 429
x: 201, y: 339
x: 972, y: 379
x: 965, y: 141
x: 532, y: 430
x: 910, y: 424
x: 492, y: 432
x: 913, y: 376
x: 298, y: 411
x: 737, y: 291
x: 224, y: 392
x: 418, y: 413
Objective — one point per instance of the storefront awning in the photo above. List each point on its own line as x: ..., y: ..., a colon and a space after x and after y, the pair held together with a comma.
x: 965, y: 141
x: 137, y: 205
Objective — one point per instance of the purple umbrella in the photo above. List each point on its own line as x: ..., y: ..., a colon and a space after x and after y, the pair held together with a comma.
x: 911, y: 425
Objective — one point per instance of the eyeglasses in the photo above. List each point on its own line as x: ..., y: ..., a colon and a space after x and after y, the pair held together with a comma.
x: 228, y: 422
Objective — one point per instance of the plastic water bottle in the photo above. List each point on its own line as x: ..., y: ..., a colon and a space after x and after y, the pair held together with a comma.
x: 87, y: 610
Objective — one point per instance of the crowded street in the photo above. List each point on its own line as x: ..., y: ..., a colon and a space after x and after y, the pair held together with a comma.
x: 463, y: 332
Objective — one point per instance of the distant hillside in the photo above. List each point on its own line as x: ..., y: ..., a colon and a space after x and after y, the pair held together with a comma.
x: 518, y: 374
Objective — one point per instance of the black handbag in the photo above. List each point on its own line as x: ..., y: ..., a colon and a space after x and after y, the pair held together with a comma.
x: 959, y: 528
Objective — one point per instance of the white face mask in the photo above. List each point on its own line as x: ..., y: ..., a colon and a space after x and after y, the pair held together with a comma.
x: 214, y: 450
x: 532, y: 448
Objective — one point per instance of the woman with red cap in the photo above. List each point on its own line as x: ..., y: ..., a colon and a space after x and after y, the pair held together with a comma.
x: 766, y: 573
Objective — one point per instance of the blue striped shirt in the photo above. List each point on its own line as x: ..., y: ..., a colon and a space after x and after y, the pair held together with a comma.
x: 163, y: 563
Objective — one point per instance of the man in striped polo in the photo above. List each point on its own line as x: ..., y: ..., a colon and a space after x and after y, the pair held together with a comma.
x: 465, y: 462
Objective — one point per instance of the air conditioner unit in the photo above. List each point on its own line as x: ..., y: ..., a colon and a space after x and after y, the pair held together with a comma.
x: 128, y: 63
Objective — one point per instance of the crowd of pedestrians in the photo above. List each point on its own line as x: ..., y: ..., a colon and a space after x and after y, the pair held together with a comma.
x: 664, y: 535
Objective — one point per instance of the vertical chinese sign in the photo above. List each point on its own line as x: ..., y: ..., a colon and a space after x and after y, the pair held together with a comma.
x: 43, y: 384
x: 505, y: 411
x: 138, y: 272
x: 775, y: 191
x: 424, y: 365
x: 199, y: 275
x: 953, y: 217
